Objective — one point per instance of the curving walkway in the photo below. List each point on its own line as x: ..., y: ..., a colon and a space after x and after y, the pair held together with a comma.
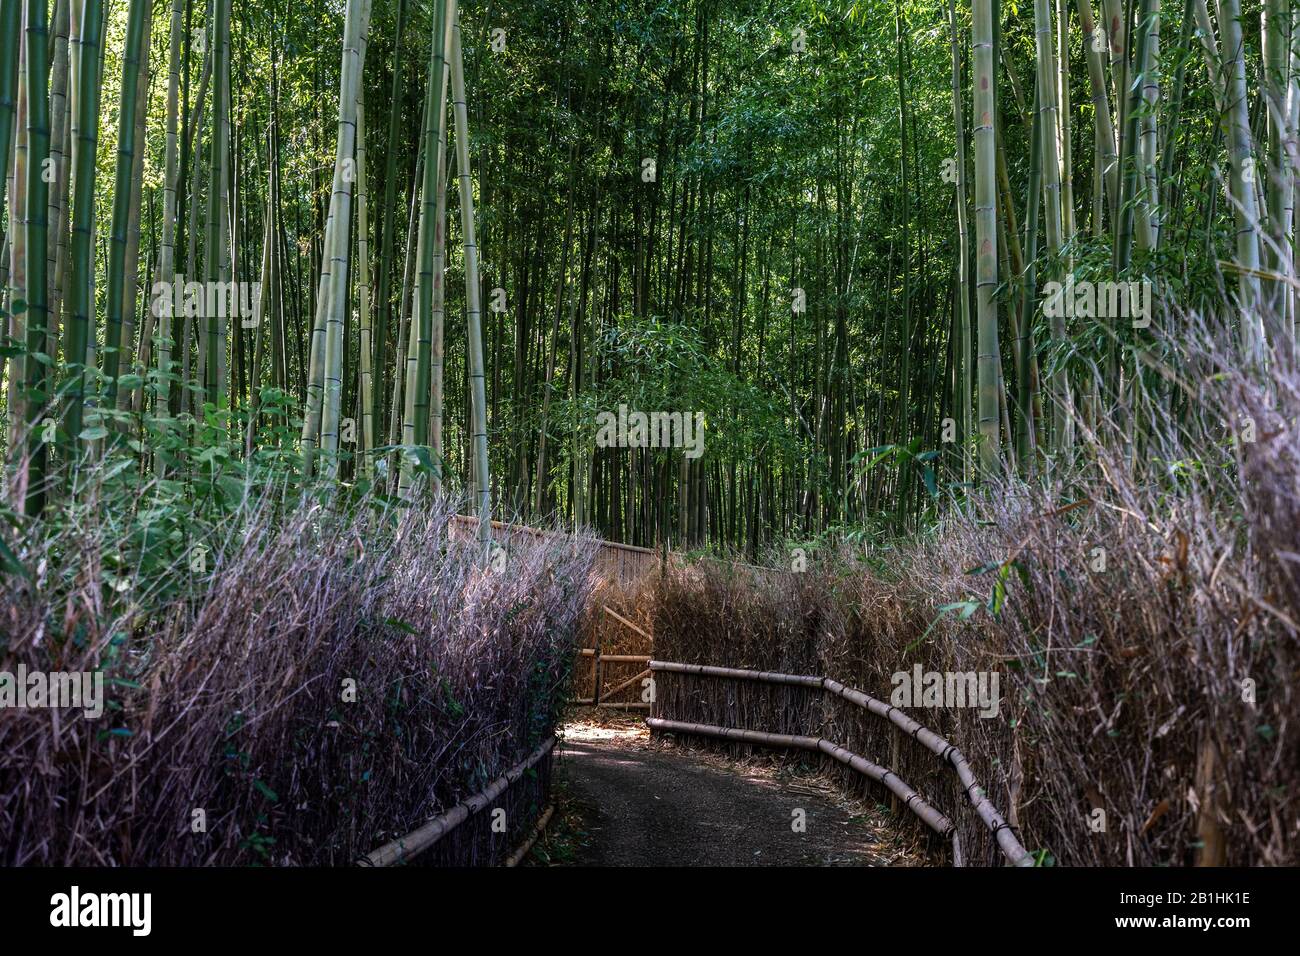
x: 646, y: 804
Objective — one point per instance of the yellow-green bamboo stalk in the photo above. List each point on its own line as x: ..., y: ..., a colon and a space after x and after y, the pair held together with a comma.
x: 1241, y: 155
x: 336, y: 242
x: 36, y: 38
x: 963, y: 256
x: 1107, y: 162
x: 58, y: 157
x: 18, y: 244
x: 436, y: 346
x: 988, y: 366
x: 1065, y: 116
x: 420, y: 344
x: 1279, y: 88
x: 130, y: 289
x: 171, y: 174
x: 367, y: 437
x: 1149, y: 211
x: 1051, y: 168
x: 482, y: 476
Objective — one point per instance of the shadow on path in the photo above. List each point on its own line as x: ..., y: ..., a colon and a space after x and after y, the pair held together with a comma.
x: 646, y: 806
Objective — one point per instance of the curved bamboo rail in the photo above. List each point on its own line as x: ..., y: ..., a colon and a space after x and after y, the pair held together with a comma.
x: 1006, y: 839
x: 932, y: 818
x: 522, y: 851
x: 405, y: 848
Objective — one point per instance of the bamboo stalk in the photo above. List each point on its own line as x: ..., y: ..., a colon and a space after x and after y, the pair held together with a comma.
x: 215, y: 245
x: 1105, y: 127
x: 1050, y: 165
x: 986, y: 240
x: 366, y: 382
x: 478, y: 392
x: 337, y: 240
x: 81, y: 293
x: 167, y: 248
x: 37, y: 200
x: 419, y: 348
x: 18, y: 246
x: 388, y: 225
x: 963, y: 403
x: 437, y: 343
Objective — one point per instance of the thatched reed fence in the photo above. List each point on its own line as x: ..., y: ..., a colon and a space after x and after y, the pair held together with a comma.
x: 623, y: 564
x: 937, y: 821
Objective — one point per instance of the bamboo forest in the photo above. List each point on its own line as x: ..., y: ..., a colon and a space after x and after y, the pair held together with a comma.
x: 541, y: 433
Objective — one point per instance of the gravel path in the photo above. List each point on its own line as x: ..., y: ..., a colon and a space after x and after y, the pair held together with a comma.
x: 645, y: 804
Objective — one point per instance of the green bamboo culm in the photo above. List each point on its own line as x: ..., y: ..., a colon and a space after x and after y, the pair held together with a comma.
x: 117, y: 239
x: 383, y: 303
x: 473, y: 312
x: 217, y: 193
x: 1047, y: 163
x: 81, y: 297
x: 38, y: 199
x: 338, y: 235
x: 428, y: 217
x: 986, y: 239
x: 10, y: 11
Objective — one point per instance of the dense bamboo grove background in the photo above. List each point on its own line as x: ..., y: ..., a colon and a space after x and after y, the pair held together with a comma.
x: 764, y: 212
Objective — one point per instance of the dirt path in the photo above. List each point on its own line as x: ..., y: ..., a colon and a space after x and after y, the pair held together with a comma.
x: 643, y: 803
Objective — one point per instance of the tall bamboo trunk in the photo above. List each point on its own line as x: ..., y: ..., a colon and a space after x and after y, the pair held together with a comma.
x: 963, y: 405
x: 59, y: 172
x: 81, y: 291
x: 37, y: 201
x: 1280, y: 94
x: 366, y: 355
x: 437, y: 347
x: 127, y: 145
x: 340, y: 223
x: 18, y: 244
x: 1050, y: 159
x: 1107, y: 162
x: 1241, y: 154
x: 482, y: 476
x: 215, y: 246
x: 130, y: 287
x: 388, y: 225
x: 167, y: 247
x: 415, y: 426
x: 986, y: 238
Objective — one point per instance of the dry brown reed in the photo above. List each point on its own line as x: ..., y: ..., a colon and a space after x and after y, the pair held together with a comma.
x: 330, y: 681
x: 1146, y: 645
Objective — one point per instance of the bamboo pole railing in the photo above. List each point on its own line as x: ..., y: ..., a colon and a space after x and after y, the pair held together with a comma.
x: 522, y: 851
x: 1006, y: 839
x: 405, y: 848
x: 932, y: 818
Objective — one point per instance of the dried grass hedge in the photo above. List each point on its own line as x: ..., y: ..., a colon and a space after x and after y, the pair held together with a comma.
x: 1126, y: 687
x: 228, y: 695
